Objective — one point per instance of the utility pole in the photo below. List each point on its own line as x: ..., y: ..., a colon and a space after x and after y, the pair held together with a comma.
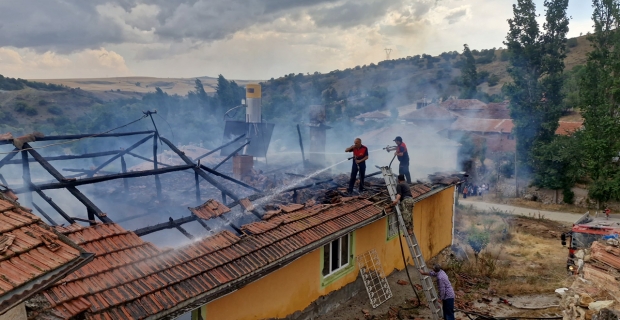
x: 516, y: 173
x: 387, y: 53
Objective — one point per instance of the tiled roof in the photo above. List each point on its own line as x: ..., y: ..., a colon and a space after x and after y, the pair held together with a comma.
x: 566, y: 128
x: 432, y: 112
x: 482, y: 125
x: 210, y: 209
x: 32, y: 255
x: 372, y: 115
x: 412, y: 135
x: 132, y: 279
x: 463, y: 104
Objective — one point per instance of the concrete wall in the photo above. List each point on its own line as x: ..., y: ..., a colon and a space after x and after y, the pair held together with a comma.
x: 17, y: 313
x: 301, y: 286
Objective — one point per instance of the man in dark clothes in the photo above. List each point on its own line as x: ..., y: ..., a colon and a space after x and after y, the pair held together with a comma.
x: 403, y: 194
x: 403, y: 158
x: 446, y: 292
x: 360, y: 155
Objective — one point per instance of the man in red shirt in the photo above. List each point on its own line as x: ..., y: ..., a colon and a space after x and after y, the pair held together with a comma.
x: 403, y: 158
x: 360, y: 155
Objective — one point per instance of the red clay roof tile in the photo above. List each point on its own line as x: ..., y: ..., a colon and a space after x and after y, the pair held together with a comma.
x: 210, y: 209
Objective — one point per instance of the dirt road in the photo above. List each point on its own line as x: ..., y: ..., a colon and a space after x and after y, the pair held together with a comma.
x: 551, y: 215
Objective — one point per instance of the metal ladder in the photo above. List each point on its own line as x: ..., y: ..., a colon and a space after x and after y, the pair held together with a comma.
x: 414, y: 249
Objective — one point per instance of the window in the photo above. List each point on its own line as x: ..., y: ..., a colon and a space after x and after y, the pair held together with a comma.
x: 336, y: 255
x: 392, y: 221
x: 250, y: 90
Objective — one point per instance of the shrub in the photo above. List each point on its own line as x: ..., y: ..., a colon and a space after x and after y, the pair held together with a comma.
x: 493, y: 80
x: 571, y: 43
x: 478, y: 240
x: 55, y: 110
x: 569, y: 195
x: 21, y: 106
x: 31, y: 111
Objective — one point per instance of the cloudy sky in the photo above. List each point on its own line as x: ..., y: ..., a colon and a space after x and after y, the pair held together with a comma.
x: 241, y: 39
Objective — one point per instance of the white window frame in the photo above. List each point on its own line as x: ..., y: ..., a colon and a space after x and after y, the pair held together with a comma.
x: 392, y: 221
x: 329, y: 261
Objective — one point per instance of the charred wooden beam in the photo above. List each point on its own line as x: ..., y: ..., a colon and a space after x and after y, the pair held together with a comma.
x: 212, y: 171
x: 124, y: 169
x: 209, y: 170
x: 82, y: 136
x: 72, y: 189
x: 231, y: 155
x: 123, y: 152
x: 69, y: 157
x: 44, y: 214
x: 133, y: 174
x: 183, y: 231
x: 10, y: 156
x: 164, y: 225
x: 220, y: 147
x: 373, y: 174
x: 301, y: 145
x: 197, y: 182
x: 26, y: 176
x: 201, y: 173
x: 86, y: 171
x: 52, y: 204
x: 157, y: 182
x: 3, y: 180
x: 204, y: 225
x: 91, y: 222
x: 308, y: 185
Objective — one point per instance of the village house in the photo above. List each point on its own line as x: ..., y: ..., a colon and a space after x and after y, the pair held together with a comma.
x: 432, y: 117
x: 300, y: 254
x: 32, y: 257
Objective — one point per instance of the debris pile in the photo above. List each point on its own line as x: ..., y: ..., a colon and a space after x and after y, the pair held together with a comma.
x: 595, y: 292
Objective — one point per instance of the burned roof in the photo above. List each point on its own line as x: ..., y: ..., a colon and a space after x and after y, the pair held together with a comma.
x: 463, y: 104
x: 432, y: 112
x: 130, y: 278
x: 32, y: 255
x: 372, y: 115
x: 482, y: 125
x: 412, y: 135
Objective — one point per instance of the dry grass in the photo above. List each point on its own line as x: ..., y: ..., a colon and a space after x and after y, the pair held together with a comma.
x: 515, y: 261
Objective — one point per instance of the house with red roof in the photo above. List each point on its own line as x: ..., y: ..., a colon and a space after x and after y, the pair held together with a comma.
x: 295, y: 258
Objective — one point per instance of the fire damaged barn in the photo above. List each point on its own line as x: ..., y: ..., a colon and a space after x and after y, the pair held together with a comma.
x: 180, y: 232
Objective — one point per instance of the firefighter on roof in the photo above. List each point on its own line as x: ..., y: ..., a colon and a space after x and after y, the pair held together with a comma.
x: 360, y: 155
x: 403, y: 158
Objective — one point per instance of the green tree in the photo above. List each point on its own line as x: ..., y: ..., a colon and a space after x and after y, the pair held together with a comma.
x: 600, y: 93
x: 536, y: 66
x: 469, y: 75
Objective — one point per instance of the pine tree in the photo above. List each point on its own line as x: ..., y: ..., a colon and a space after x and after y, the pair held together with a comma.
x: 469, y: 75
x: 536, y: 67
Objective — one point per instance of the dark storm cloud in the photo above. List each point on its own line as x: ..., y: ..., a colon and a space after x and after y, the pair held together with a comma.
x: 69, y: 25
x: 351, y: 13
x: 61, y: 26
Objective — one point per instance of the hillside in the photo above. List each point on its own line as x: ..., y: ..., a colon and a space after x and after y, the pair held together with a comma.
x: 139, y: 85
x: 386, y: 85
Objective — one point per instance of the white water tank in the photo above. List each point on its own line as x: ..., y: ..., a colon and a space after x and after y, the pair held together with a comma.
x: 253, y: 111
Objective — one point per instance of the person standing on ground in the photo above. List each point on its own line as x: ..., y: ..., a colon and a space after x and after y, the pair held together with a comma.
x: 403, y: 194
x: 403, y: 158
x: 465, y: 192
x: 446, y: 292
x: 360, y: 155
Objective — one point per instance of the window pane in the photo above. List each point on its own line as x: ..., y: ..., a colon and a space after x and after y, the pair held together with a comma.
x: 326, y: 256
x: 335, y: 255
x: 344, y: 250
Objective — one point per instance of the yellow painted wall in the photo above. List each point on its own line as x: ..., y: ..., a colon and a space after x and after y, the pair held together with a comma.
x: 295, y: 286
